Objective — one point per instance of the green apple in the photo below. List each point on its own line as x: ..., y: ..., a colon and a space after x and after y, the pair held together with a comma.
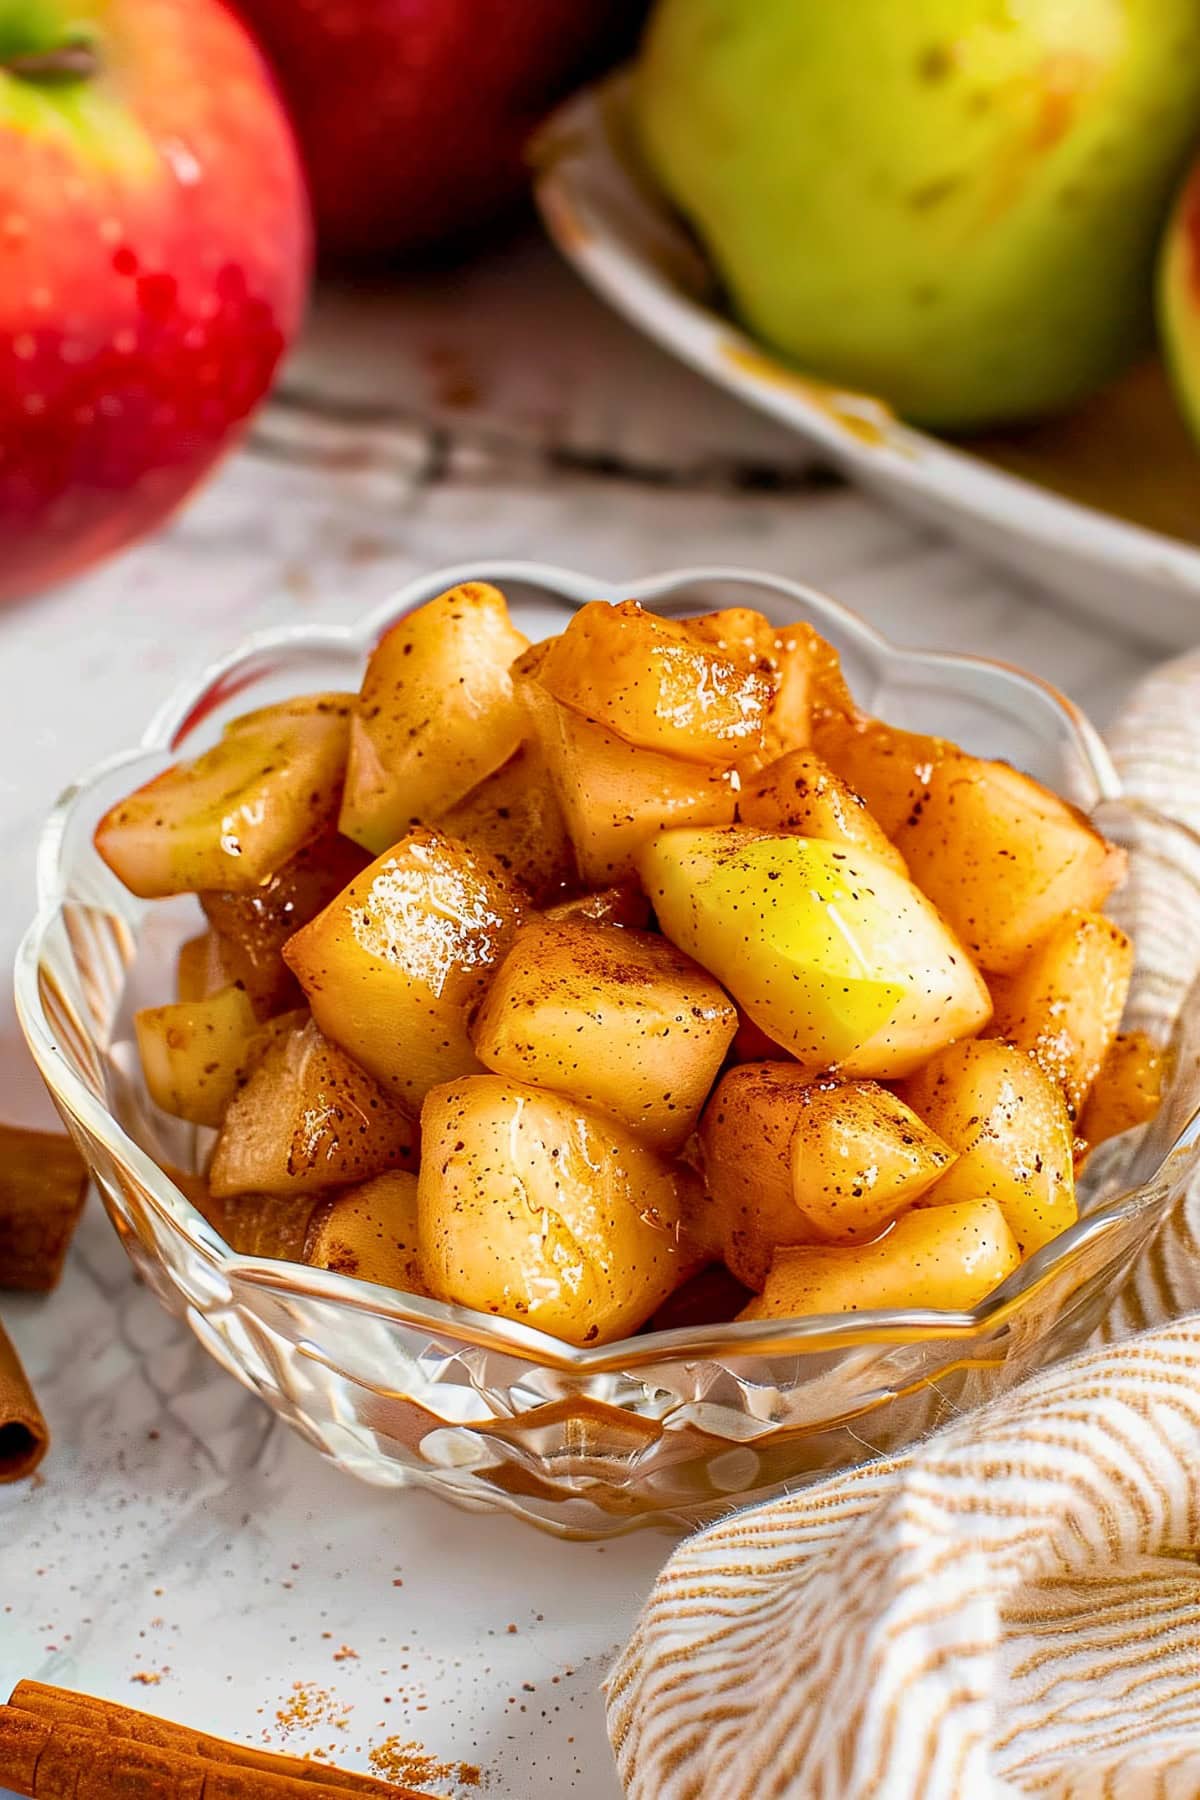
x: 1179, y: 299
x: 951, y: 203
x: 834, y: 955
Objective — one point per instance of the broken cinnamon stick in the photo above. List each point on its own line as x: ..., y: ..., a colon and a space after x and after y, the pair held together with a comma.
x: 24, y: 1438
x: 48, y: 1760
x: 43, y: 1184
x: 104, y: 1718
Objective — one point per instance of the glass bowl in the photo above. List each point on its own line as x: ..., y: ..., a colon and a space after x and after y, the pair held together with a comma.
x: 668, y: 1427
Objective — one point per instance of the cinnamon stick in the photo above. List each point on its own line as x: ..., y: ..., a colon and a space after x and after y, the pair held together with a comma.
x: 104, y: 1718
x: 46, y: 1760
x: 24, y: 1438
x: 43, y: 1185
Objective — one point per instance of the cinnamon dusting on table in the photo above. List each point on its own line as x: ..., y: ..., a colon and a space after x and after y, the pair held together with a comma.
x: 310, y: 1707
x: 410, y: 1762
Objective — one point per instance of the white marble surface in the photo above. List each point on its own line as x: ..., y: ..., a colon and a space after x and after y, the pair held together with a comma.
x: 176, y: 1532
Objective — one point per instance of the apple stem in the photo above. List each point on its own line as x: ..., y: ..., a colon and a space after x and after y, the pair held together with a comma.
x: 68, y: 62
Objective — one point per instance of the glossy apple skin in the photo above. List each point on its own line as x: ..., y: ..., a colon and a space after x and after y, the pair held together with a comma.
x: 414, y: 115
x: 1179, y: 299
x: 153, y: 268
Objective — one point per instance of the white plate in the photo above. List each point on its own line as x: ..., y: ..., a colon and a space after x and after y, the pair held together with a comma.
x: 625, y: 242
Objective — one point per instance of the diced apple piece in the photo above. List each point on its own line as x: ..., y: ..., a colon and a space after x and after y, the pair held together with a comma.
x: 195, y: 1053
x: 1008, y: 1122
x: 832, y: 954
x: 392, y: 967
x: 514, y: 818
x: 231, y: 816
x: 1003, y: 858
x: 859, y: 1157
x: 436, y: 713
x: 274, y: 1225
x: 618, y: 1020
x: 800, y: 794
x: 615, y: 799
x: 198, y: 969
x: 746, y: 1149
x: 804, y: 670
x: 656, y: 684
x: 535, y: 1210
x: 624, y: 904
x: 1064, y: 1003
x: 308, y: 1118
x: 1128, y: 1089
x: 252, y: 928
x: 945, y: 1257
x: 890, y: 768
x: 370, y: 1232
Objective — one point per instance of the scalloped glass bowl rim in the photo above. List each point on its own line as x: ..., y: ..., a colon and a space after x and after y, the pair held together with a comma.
x: 770, y: 1337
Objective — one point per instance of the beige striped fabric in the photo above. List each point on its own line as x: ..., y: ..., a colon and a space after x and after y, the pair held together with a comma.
x: 1013, y: 1607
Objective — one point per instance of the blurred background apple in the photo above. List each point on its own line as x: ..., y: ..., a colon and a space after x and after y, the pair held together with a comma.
x: 154, y: 250
x: 1179, y: 299
x: 414, y: 115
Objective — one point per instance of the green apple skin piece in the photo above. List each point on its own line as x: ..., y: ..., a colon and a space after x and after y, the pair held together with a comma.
x: 953, y: 204
x: 832, y: 953
x: 1179, y: 299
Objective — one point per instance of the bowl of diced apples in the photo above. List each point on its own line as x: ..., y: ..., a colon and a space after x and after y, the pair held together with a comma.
x: 561, y: 1046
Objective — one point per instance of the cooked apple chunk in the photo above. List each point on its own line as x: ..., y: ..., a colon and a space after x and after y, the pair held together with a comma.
x: 1064, y: 1003
x: 514, y: 818
x: 392, y: 967
x: 799, y: 793
x: 1003, y: 859
x: 231, y: 816
x: 615, y: 799
x: 1008, y: 1123
x: 834, y: 955
x: 890, y: 768
x: 746, y: 1151
x: 195, y: 1053
x: 948, y: 1257
x: 618, y: 1020
x: 308, y: 1118
x: 436, y: 713
x: 1128, y: 1089
x: 804, y: 670
x: 657, y: 684
x: 370, y: 1232
x: 252, y: 928
x: 860, y: 1157
x: 533, y: 1209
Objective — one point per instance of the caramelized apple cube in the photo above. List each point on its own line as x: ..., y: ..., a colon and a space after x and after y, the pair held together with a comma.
x: 1008, y: 1123
x: 308, y: 1118
x: 746, y: 1150
x: 859, y: 1158
x: 889, y: 768
x: 393, y: 966
x: 948, y: 1257
x: 534, y: 1209
x: 656, y: 684
x: 799, y: 793
x: 618, y: 1020
x: 616, y: 799
x: 1064, y: 1003
x: 233, y: 815
x: 1003, y: 858
x: 252, y: 928
x: 370, y: 1232
x: 436, y: 713
x: 195, y: 1053
x: 1128, y: 1089
x: 514, y: 818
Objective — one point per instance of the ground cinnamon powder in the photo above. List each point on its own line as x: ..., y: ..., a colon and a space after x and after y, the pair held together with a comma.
x: 409, y: 1762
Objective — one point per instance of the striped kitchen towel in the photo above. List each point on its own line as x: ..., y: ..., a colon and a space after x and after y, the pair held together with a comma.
x: 1013, y: 1606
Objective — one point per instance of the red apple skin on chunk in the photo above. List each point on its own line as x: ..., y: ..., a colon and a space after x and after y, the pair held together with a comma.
x: 154, y: 258
x: 1179, y: 299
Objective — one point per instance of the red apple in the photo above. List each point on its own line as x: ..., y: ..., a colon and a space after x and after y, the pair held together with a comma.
x: 413, y: 115
x: 154, y: 251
